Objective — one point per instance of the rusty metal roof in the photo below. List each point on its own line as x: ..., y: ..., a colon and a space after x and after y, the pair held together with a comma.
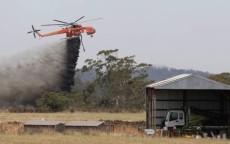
x: 84, y: 123
x: 189, y: 81
x: 42, y: 123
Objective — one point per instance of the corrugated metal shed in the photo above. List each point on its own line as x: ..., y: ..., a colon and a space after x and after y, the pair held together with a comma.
x: 42, y: 122
x: 189, y: 81
x: 186, y: 91
x: 85, y: 123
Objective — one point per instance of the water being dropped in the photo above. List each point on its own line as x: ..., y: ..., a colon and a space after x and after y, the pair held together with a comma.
x: 49, y: 68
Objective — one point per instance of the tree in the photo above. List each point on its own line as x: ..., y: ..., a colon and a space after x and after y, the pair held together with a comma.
x: 223, y: 78
x: 119, y: 83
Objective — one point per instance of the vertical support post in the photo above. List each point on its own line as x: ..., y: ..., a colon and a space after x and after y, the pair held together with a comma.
x: 150, y: 108
x: 147, y: 107
x: 184, y: 100
x: 222, y: 107
x: 153, y: 109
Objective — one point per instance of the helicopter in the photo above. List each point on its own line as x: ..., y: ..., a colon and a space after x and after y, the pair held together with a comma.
x: 72, y: 29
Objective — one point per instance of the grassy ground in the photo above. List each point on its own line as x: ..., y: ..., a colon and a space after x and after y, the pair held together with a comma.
x: 67, y: 116
x: 123, y: 135
x: 56, y: 138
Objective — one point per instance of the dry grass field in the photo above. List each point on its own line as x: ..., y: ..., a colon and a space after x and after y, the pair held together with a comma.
x: 12, y: 133
x: 95, y: 138
x: 67, y: 116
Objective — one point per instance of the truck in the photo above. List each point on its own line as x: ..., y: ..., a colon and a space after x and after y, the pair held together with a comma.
x: 195, y: 121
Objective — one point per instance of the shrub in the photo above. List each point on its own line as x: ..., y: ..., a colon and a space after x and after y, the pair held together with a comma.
x: 51, y: 101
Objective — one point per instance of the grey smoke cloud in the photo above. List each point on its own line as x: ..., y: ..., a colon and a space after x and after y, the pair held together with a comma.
x: 26, y: 76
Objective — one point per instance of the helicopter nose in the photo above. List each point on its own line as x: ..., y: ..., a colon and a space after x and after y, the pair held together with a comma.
x: 91, y: 31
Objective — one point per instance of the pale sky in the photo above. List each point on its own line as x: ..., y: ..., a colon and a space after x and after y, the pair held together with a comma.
x: 183, y: 34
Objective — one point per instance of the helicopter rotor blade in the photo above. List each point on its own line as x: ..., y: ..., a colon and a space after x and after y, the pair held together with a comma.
x: 65, y: 23
x: 61, y: 21
x: 32, y: 27
x: 78, y: 19
x: 63, y: 26
x: 90, y: 20
x: 54, y: 25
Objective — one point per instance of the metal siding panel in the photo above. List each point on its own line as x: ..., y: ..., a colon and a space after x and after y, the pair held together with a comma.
x: 159, y: 121
x: 161, y: 113
x: 189, y: 81
x: 169, y: 105
x: 204, y: 105
x: 202, y: 95
x: 169, y: 95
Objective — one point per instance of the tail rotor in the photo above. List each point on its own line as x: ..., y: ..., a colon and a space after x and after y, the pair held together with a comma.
x: 34, y: 31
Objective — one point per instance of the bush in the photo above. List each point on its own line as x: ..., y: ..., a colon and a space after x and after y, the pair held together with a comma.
x: 51, y: 101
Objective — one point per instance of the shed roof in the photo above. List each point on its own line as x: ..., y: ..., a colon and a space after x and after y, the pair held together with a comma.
x: 42, y: 123
x: 189, y: 81
x: 84, y: 123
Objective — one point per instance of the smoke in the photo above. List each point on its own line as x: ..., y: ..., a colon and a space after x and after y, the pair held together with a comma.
x: 27, y: 76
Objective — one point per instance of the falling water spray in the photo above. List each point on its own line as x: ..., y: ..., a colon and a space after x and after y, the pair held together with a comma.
x: 50, y: 68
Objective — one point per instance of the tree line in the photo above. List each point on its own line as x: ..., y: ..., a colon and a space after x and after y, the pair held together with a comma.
x: 119, y: 85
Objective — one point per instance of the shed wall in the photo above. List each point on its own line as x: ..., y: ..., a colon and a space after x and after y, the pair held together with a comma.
x: 161, y: 101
